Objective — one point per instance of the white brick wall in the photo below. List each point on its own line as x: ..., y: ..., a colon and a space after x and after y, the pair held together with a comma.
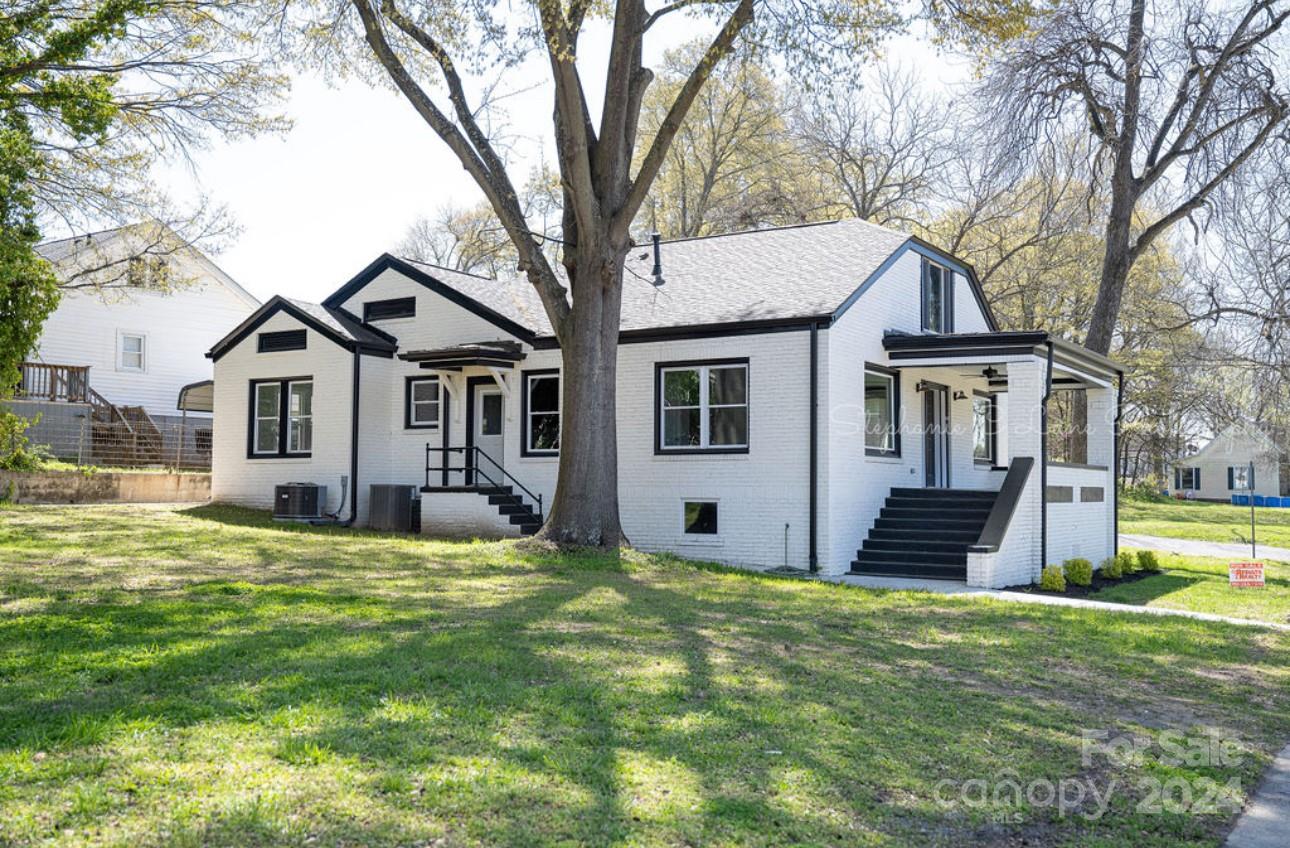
x: 237, y: 479
x: 463, y: 515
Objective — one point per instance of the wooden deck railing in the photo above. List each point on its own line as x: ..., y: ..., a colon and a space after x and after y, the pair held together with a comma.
x: 61, y: 383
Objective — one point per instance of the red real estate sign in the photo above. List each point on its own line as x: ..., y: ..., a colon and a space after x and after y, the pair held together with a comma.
x: 1245, y: 575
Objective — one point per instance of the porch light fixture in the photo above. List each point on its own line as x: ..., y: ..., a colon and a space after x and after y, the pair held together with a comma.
x: 959, y: 394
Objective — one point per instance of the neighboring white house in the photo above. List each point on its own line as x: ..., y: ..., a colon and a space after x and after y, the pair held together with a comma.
x: 833, y: 396
x: 138, y: 312
x: 1221, y: 468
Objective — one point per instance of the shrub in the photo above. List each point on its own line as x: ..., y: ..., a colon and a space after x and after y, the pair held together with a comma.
x: 16, y: 451
x: 1148, y: 561
x: 1079, y: 571
x: 1051, y: 579
x: 1111, y: 569
x: 1147, y: 491
x: 1128, y: 562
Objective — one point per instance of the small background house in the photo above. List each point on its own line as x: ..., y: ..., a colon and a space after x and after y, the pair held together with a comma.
x: 1218, y: 470
x: 139, y: 310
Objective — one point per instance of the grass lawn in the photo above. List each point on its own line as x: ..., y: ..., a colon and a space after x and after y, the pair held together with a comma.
x: 1210, y: 522
x: 1200, y: 584
x: 202, y: 676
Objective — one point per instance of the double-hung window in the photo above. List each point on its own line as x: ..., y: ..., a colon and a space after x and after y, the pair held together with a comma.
x: 281, y: 418
x: 132, y: 352
x: 881, y: 411
x: 541, y: 408
x: 1240, y: 478
x: 1187, y: 478
x: 421, y: 403
x: 937, y: 298
x: 984, y: 429
x: 702, y: 407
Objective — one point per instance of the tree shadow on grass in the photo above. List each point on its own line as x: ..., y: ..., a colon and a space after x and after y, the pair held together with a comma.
x: 561, y: 706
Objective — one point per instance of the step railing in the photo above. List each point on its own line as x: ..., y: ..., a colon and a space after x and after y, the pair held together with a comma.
x: 472, y: 469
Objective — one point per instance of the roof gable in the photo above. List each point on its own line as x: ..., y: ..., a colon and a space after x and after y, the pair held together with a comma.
x: 109, y: 248
x: 333, y: 324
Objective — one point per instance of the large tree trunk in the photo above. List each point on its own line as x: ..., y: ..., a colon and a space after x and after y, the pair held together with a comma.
x: 1116, y: 262
x: 585, y: 508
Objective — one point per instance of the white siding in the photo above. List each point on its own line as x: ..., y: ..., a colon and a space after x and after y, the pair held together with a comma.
x: 1234, y: 446
x: 179, y: 327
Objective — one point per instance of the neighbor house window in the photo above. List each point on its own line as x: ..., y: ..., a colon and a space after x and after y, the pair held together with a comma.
x: 421, y: 403
x: 1240, y: 477
x: 699, y: 518
x: 881, y: 404
x: 702, y: 407
x: 937, y: 298
x: 541, y: 408
x: 132, y: 352
x: 281, y: 417
x: 1187, y: 478
x: 984, y: 432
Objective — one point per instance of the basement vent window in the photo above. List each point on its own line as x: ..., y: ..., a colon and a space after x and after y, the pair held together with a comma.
x: 699, y: 518
x: 383, y: 310
x: 284, y: 340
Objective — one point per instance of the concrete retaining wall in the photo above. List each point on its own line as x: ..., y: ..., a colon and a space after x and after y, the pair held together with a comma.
x: 102, y: 487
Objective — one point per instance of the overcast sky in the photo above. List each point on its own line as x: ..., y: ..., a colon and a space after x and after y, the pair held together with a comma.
x: 318, y: 204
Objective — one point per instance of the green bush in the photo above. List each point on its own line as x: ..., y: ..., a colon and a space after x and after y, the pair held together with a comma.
x: 1147, y: 491
x: 1128, y: 562
x: 1111, y: 569
x: 1051, y: 579
x: 16, y: 451
x: 1078, y: 571
x: 1148, y: 561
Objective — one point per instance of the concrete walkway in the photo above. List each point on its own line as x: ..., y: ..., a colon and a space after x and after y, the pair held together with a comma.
x: 950, y: 587
x: 1266, y: 821
x: 1195, y: 547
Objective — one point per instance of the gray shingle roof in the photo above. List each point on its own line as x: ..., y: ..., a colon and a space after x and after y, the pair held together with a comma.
x: 788, y: 272
x: 342, y: 323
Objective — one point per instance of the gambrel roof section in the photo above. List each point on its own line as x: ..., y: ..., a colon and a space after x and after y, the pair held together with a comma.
x: 746, y: 280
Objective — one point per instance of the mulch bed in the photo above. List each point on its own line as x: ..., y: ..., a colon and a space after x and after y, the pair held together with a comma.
x: 1073, y: 591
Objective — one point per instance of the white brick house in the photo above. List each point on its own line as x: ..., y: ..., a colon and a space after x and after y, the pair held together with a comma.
x: 832, y: 396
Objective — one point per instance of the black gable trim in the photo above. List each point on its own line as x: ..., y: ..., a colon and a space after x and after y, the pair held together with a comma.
x: 278, y: 304
x: 978, y: 291
x: 385, y: 262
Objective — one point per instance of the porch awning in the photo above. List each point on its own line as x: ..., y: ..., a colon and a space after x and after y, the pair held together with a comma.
x: 973, y: 348
x: 498, y: 354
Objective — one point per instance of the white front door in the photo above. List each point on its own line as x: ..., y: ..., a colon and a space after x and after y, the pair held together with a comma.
x: 489, y: 425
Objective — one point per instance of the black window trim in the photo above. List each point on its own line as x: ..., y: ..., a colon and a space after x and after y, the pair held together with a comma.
x: 284, y: 405
x: 525, y: 450
x: 701, y: 537
x: 406, y: 305
x: 659, y: 368
x: 894, y: 374
x: 993, y: 460
x: 299, y: 341
x: 947, y: 296
x: 408, y: 383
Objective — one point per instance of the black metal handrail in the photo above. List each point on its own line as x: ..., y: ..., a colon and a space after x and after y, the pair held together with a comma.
x: 470, y: 452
